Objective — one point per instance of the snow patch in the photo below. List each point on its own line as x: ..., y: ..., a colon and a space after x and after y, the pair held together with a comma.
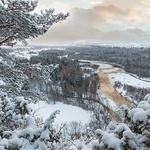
x: 111, y: 141
x: 111, y: 70
x: 68, y: 113
x: 140, y: 116
x: 127, y: 79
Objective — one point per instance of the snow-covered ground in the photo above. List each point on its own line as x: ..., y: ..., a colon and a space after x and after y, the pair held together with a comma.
x: 27, y: 51
x: 104, y: 66
x: 107, y: 102
x: 127, y: 79
x: 110, y: 70
x: 68, y: 113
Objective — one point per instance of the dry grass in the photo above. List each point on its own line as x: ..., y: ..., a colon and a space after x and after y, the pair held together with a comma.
x: 109, y: 91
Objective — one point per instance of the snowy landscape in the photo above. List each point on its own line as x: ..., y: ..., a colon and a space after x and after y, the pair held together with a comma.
x: 82, y: 86
x: 103, y: 90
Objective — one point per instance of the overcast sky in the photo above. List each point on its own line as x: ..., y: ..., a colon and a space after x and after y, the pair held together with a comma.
x: 108, y: 20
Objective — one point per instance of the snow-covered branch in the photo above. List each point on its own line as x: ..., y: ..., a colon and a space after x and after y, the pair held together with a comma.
x: 16, y: 17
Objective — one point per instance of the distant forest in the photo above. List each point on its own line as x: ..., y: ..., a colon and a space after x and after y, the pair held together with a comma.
x: 135, y: 60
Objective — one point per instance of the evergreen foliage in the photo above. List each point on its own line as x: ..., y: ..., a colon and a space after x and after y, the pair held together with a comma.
x: 18, y: 22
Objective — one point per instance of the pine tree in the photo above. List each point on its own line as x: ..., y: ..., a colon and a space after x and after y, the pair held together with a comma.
x: 133, y: 133
x: 18, y: 22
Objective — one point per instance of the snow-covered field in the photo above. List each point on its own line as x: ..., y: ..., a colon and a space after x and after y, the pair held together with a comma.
x: 104, y: 66
x: 28, y: 52
x: 68, y: 113
x: 25, y: 53
x: 111, y: 70
x: 127, y: 79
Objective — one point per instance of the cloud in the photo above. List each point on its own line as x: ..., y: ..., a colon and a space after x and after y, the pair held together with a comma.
x: 109, y: 9
x: 84, y: 24
x: 72, y: 33
x: 77, y: 27
x: 130, y: 35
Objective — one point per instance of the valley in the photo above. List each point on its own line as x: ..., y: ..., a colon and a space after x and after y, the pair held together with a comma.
x: 86, y: 94
x: 83, y: 84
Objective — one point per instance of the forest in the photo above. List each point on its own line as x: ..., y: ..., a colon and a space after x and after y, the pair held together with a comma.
x: 75, y: 76
x: 135, y: 60
x: 53, y: 76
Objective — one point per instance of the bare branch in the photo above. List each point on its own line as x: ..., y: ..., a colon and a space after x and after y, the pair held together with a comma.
x: 7, y: 39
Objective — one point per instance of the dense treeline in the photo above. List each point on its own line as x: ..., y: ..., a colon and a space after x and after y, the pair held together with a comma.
x: 135, y: 60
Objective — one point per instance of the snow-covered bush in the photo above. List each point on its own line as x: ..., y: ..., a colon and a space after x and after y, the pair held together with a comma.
x: 132, y: 134
x: 12, y: 116
x: 41, y: 138
x: 18, y: 129
x: 12, y: 112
